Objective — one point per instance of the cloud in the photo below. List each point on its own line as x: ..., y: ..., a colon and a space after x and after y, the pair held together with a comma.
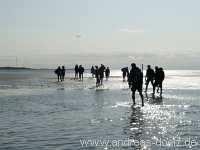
x: 131, y: 30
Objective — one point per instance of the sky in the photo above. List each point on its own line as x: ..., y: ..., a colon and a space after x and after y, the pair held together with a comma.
x: 47, y: 33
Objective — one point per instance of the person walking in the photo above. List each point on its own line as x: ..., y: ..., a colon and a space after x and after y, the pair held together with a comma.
x: 107, y: 72
x: 81, y: 71
x: 136, y: 82
x: 58, y: 73
x: 101, y: 73
x: 76, y: 70
x: 63, y: 73
x: 149, y: 77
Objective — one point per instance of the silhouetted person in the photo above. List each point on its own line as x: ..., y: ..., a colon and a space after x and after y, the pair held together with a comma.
x: 159, y: 78
x: 63, y: 73
x: 58, y: 73
x: 125, y: 73
x: 81, y: 71
x: 162, y: 77
x: 76, y: 71
x: 101, y: 73
x: 92, y: 70
x: 149, y: 76
x: 107, y: 72
x: 136, y: 81
x: 97, y: 76
x: 156, y: 79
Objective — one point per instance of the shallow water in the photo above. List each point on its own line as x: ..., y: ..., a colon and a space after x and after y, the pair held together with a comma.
x: 36, y: 112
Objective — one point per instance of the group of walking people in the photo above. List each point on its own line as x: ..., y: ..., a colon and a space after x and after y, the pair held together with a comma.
x: 135, y: 80
x: 134, y: 77
x: 60, y: 72
x: 98, y: 73
x: 79, y: 70
x: 156, y: 78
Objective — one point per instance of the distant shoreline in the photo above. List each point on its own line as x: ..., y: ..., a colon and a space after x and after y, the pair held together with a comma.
x: 27, y: 68
x: 15, y: 68
x: 22, y: 68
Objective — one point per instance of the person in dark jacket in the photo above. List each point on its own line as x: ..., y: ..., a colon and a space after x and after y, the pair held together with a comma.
x: 125, y: 73
x: 63, y: 73
x: 81, y: 71
x: 149, y: 76
x: 58, y: 73
x: 159, y: 78
x: 97, y: 76
x: 101, y: 73
x: 92, y: 70
x: 76, y: 70
x: 136, y: 82
x: 107, y: 72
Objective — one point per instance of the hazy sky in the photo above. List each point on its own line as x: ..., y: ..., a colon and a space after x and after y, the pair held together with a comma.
x: 44, y: 33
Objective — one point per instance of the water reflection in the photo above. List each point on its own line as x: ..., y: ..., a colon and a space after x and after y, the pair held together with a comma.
x: 152, y: 99
x: 135, y: 128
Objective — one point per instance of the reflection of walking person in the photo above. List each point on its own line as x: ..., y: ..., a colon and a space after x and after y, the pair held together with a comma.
x: 136, y: 81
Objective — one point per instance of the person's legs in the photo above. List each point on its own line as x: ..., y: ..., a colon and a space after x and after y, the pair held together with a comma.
x: 58, y: 77
x: 101, y: 81
x: 161, y: 88
x: 61, y: 77
x: 152, y: 82
x: 97, y: 84
x: 133, y: 97
x: 123, y: 75
x: 155, y: 84
x: 158, y: 87
x: 98, y: 81
x: 79, y: 76
x: 147, y: 84
x: 142, y: 97
x: 75, y: 75
x: 133, y: 94
x: 106, y: 77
